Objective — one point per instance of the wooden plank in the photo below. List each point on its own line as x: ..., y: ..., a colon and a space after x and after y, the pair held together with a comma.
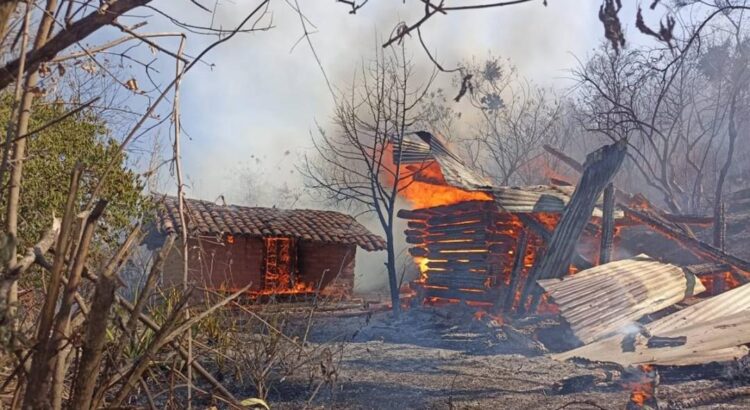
x: 688, y: 219
x: 415, y: 240
x: 475, y: 227
x: 414, y: 215
x: 707, y: 268
x: 475, y: 244
x: 414, y: 232
x: 452, y: 293
x: 460, y: 218
x: 460, y: 207
x: 416, y: 225
x: 459, y: 280
x: 608, y: 225
x: 458, y: 269
x: 516, y: 272
x: 457, y: 265
x: 472, y: 256
x: 457, y: 236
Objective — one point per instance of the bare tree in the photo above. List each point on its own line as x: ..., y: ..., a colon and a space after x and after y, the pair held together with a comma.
x: 515, y: 120
x: 680, y: 115
x: 355, y: 164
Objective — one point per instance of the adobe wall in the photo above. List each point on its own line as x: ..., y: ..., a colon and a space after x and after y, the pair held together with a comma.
x: 217, y: 265
x: 233, y: 266
x: 316, y: 261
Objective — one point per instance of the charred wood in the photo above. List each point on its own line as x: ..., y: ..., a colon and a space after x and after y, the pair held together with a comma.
x: 704, y: 269
x: 708, y: 397
x: 695, y: 245
x: 451, y: 293
x: 470, y: 256
x: 468, y: 217
x: 720, y: 227
x: 608, y: 225
x: 468, y: 245
x: 451, y: 265
x: 515, y: 274
x: 416, y: 225
x: 578, y: 260
x: 461, y: 281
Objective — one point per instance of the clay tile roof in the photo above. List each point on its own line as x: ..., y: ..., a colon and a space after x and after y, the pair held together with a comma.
x: 208, y: 218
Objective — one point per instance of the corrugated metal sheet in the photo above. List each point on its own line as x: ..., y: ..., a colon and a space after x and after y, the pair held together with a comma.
x: 716, y: 330
x: 601, y: 301
x: 417, y: 148
x: 540, y: 198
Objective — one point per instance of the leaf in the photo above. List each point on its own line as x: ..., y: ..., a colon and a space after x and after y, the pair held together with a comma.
x: 37, y: 91
x: 60, y: 69
x: 132, y: 85
x: 89, y: 67
x: 44, y: 70
x: 253, y: 402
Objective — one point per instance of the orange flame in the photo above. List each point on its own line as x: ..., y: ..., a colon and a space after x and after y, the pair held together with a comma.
x: 424, y: 185
x: 643, y: 390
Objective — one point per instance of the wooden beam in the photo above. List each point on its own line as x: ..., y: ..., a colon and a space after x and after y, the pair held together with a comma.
x: 720, y: 227
x: 599, y: 170
x: 608, y: 225
x: 695, y: 245
x: 578, y: 260
x: 515, y: 274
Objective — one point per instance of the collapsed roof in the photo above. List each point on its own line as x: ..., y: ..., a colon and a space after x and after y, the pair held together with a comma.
x: 606, y: 299
x: 420, y: 148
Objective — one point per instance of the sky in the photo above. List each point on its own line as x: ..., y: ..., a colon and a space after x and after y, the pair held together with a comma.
x: 257, y: 105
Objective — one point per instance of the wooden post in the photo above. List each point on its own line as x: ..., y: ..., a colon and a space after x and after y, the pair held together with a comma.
x: 515, y: 274
x: 608, y: 225
x: 599, y: 169
x: 720, y: 227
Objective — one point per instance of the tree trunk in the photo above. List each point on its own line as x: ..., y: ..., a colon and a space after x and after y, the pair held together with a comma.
x: 718, y: 201
x: 392, y: 274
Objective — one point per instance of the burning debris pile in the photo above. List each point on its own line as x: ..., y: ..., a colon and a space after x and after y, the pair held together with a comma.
x: 640, y: 313
x: 475, y: 243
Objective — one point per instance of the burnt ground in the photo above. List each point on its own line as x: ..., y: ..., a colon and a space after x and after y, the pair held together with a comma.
x: 437, y: 358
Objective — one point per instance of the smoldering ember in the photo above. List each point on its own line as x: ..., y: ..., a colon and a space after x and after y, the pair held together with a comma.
x: 422, y: 204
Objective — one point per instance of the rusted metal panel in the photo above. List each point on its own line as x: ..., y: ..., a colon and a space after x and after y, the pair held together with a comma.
x: 541, y: 198
x: 422, y: 147
x: 716, y: 329
x: 605, y: 299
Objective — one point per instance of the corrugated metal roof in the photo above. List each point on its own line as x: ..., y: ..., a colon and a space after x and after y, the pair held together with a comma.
x: 420, y: 147
x: 601, y: 301
x: 541, y: 198
x: 716, y: 330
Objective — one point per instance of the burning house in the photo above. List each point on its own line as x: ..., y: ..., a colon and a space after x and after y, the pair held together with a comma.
x: 277, y: 251
x: 474, y: 242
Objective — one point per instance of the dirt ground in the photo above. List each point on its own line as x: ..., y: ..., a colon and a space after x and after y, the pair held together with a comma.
x: 434, y: 358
